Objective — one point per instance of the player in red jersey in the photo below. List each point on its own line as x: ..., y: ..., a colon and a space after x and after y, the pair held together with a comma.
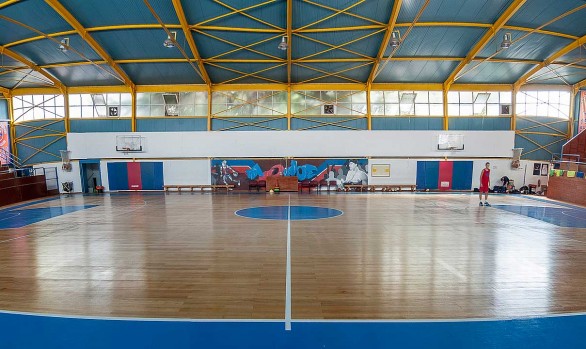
x: 485, y: 184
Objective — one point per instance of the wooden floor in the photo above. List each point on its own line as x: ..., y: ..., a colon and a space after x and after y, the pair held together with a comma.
x: 389, y: 256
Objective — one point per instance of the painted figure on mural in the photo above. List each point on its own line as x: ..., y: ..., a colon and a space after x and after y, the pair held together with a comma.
x: 228, y: 175
x: 355, y: 175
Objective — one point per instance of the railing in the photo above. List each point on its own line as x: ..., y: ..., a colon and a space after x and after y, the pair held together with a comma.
x: 9, y: 159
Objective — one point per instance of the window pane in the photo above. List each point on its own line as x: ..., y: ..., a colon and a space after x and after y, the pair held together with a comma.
x: 377, y: 109
x: 391, y: 96
x: 436, y: 97
x: 466, y: 109
x: 421, y: 97
x: 506, y: 97
x: 125, y: 99
x: 453, y: 109
x: 422, y: 109
x: 465, y: 97
x: 436, y: 110
x: 492, y: 110
x: 376, y: 97
x: 392, y: 109
x: 453, y: 97
x: 113, y: 99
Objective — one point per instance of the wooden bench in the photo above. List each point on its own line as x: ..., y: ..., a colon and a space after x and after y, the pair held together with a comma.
x: 357, y: 187
x: 382, y: 187
x: 191, y: 187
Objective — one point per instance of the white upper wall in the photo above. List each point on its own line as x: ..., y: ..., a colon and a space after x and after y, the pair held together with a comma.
x: 344, y: 144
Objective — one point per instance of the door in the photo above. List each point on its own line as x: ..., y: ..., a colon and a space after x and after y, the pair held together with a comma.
x: 90, y: 175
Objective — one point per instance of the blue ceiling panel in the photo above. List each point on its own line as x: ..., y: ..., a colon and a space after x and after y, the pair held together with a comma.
x: 200, y: 12
x: 271, y: 71
x: 29, y: 13
x: 480, y: 11
x: 115, y: 12
x: 494, y: 73
x: 212, y: 47
x: 86, y: 75
x: 209, y: 13
x: 24, y: 78
x: 575, y: 56
x: 416, y: 71
x: 533, y: 47
x: 47, y: 51
x: 356, y: 71
x: 538, y: 12
x: 367, y: 46
x: 162, y: 73
x: 9, y: 63
x: 306, y: 14
x: 438, y: 41
x: 273, y: 14
x: 559, y: 74
x: 139, y: 43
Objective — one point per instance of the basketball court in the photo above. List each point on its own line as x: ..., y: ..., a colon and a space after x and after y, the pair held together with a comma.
x: 291, y: 260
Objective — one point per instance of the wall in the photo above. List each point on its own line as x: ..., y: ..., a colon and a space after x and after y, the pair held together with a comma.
x: 63, y: 176
x: 344, y: 144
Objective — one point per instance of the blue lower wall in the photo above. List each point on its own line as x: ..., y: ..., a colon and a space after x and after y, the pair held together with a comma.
x: 171, y: 125
x: 407, y: 123
x: 100, y: 125
x: 480, y: 124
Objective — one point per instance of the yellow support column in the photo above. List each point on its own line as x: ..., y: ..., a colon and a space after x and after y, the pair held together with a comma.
x: 133, y: 110
x: 289, y: 108
x: 368, y: 108
x: 209, y: 108
x: 514, y: 108
x: 65, y: 93
x: 445, y: 100
x: 572, y: 115
x: 12, y: 125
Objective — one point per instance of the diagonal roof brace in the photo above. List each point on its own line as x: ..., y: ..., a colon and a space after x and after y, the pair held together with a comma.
x: 83, y: 32
x: 498, y: 24
x: 568, y: 48
x: 33, y: 66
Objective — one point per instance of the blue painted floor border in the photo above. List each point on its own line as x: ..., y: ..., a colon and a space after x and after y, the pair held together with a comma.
x: 48, y: 332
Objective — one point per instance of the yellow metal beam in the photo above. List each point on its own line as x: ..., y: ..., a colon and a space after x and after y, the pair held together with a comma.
x: 333, y: 9
x: 326, y: 73
x: 568, y: 48
x: 446, y: 120
x: 209, y: 116
x: 243, y: 13
x: 383, y: 47
x: 289, y: 42
x: 31, y: 65
x: 289, y: 108
x: 12, y: 125
x: 8, y: 3
x: 336, y: 13
x: 85, y: 35
x: 187, y: 32
x: 514, y: 109
x: 500, y: 22
x: 576, y: 87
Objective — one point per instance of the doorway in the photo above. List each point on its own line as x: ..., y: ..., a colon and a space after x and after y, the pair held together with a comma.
x: 90, y: 175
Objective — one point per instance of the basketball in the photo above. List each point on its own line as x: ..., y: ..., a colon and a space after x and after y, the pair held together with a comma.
x: 271, y: 191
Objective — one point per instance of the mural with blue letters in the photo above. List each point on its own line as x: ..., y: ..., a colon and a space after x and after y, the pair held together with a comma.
x: 239, y: 172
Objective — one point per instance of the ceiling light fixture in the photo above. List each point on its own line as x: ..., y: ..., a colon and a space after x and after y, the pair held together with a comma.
x: 283, y: 45
x: 395, y: 39
x: 506, y: 43
x: 64, y: 46
x: 170, y: 43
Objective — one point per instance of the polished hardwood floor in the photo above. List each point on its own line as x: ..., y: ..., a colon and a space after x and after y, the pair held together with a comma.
x: 389, y: 256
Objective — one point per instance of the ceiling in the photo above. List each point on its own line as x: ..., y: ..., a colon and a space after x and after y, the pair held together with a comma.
x: 220, y: 42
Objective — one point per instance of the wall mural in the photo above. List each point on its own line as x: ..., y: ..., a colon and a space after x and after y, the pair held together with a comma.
x: 4, y: 143
x: 239, y: 172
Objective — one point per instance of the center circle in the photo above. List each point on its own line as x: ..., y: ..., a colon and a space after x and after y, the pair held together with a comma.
x: 282, y: 212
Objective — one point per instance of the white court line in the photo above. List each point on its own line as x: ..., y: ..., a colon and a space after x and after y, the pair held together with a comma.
x: 288, y: 277
x: 138, y: 319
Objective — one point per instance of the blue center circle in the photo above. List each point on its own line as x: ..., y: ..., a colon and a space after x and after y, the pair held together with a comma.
x: 282, y: 212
